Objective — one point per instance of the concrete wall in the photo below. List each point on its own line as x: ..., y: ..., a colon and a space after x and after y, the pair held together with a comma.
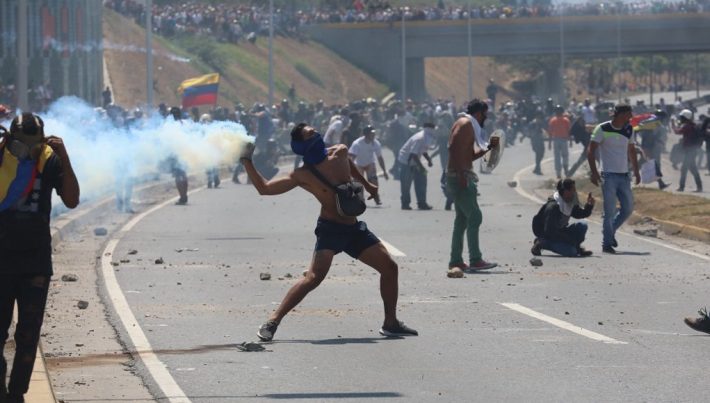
x: 376, y: 47
x: 64, y: 46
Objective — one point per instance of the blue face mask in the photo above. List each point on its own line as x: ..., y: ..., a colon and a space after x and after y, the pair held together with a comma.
x: 313, y: 150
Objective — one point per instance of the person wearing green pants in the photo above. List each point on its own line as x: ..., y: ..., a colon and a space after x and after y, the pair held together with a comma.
x: 466, y: 145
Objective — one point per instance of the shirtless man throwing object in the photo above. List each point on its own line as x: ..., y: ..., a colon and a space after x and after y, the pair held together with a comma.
x: 334, y: 233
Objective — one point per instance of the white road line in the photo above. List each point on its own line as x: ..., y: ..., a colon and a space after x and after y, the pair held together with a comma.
x: 561, y: 324
x: 536, y: 199
x: 157, y: 369
x: 391, y: 249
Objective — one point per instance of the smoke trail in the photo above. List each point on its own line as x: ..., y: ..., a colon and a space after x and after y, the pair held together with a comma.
x: 102, y: 153
x: 137, y: 49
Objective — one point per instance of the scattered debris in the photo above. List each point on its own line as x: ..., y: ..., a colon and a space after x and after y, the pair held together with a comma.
x: 513, y: 184
x: 305, y: 272
x: 82, y: 304
x: 651, y: 232
x: 250, y: 347
x: 536, y: 261
x: 159, y: 260
x: 180, y: 250
x: 288, y: 275
x: 454, y: 273
x: 132, y: 252
x: 566, y: 313
x: 646, y: 220
x: 114, y: 264
x: 264, y: 276
x: 70, y: 278
x: 600, y: 323
x: 125, y: 261
x: 556, y: 299
x: 100, y: 231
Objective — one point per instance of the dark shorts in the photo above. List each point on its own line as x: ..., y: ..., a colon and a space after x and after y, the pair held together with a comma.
x: 349, y: 238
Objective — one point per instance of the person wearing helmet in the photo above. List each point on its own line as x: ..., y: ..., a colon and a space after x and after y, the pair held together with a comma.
x: 690, y: 144
x: 363, y: 153
x: 558, y: 128
x: 32, y: 166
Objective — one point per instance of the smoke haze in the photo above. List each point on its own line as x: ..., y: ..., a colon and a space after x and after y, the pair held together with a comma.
x: 101, y: 153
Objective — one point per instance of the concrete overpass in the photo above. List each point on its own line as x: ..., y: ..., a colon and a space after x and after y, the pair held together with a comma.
x: 377, y: 47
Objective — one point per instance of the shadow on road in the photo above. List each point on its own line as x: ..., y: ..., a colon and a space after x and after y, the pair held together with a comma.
x: 333, y: 395
x: 340, y: 341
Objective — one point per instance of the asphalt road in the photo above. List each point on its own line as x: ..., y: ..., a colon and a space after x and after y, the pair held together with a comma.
x: 604, y: 328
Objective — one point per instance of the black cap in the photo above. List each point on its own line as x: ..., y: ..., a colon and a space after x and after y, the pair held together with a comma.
x: 368, y: 129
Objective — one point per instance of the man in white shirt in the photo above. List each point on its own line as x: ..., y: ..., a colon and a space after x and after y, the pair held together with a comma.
x: 363, y: 152
x: 334, y: 132
x: 588, y: 114
x: 615, y: 141
x: 412, y: 169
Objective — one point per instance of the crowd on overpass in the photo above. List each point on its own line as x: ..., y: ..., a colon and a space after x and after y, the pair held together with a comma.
x: 235, y: 21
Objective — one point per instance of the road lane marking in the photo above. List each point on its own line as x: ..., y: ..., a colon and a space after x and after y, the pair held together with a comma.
x: 561, y: 324
x: 538, y: 200
x: 391, y: 249
x: 158, y: 371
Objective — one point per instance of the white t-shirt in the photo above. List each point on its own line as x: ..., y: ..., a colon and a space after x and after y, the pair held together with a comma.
x: 334, y: 133
x: 418, y: 144
x: 614, y: 146
x: 588, y: 115
x: 365, y: 152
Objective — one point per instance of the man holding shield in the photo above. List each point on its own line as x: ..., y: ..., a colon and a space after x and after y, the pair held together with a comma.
x: 466, y: 145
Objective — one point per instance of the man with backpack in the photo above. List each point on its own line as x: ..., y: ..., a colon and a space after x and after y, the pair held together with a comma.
x: 691, y: 142
x: 551, y: 225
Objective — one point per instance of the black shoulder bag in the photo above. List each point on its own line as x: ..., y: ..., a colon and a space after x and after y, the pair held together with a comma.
x: 349, y: 196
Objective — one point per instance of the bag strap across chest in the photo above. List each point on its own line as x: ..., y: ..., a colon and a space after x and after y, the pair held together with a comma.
x: 320, y: 176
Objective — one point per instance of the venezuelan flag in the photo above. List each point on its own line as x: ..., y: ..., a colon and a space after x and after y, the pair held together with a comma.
x: 199, y: 90
x: 17, y: 177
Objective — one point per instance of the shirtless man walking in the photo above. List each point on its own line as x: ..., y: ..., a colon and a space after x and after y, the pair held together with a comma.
x: 334, y: 233
x: 466, y: 145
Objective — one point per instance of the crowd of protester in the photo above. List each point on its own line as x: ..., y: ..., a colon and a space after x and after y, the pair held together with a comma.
x: 232, y: 22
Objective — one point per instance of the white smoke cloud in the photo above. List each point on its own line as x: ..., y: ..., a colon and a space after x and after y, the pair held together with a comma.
x: 102, y: 153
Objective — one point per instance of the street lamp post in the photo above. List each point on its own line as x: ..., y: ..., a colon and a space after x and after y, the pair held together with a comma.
x: 271, y: 53
x: 149, y: 53
x: 22, y: 58
x: 470, y: 60
x: 618, y: 54
x: 562, y: 54
x: 650, y: 72
x: 404, y: 60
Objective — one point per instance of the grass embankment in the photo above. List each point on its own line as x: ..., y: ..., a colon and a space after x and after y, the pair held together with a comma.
x: 315, y: 72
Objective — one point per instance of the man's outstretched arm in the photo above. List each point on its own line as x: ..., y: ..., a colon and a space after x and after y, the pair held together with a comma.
x: 267, y: 188
x: 264, y: 187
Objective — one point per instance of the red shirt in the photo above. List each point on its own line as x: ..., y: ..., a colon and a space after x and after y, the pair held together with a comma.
x: 558, y: 127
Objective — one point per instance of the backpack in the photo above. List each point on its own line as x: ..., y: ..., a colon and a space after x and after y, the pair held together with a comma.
x: 538, y: 222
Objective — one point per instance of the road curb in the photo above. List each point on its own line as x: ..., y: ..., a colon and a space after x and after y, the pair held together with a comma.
x: 674, y: 228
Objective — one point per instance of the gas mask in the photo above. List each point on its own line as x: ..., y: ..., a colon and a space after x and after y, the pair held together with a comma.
x: 25, y: 145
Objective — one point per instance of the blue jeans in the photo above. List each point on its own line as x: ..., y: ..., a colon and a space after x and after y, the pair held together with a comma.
x: 615, y: 186
x: 407, y: 175
x: 570, y: 247
x: 561, y: 153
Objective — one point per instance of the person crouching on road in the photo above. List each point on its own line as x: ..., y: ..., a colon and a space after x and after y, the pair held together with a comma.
x: 31, y: 165
x: 551, y: 224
